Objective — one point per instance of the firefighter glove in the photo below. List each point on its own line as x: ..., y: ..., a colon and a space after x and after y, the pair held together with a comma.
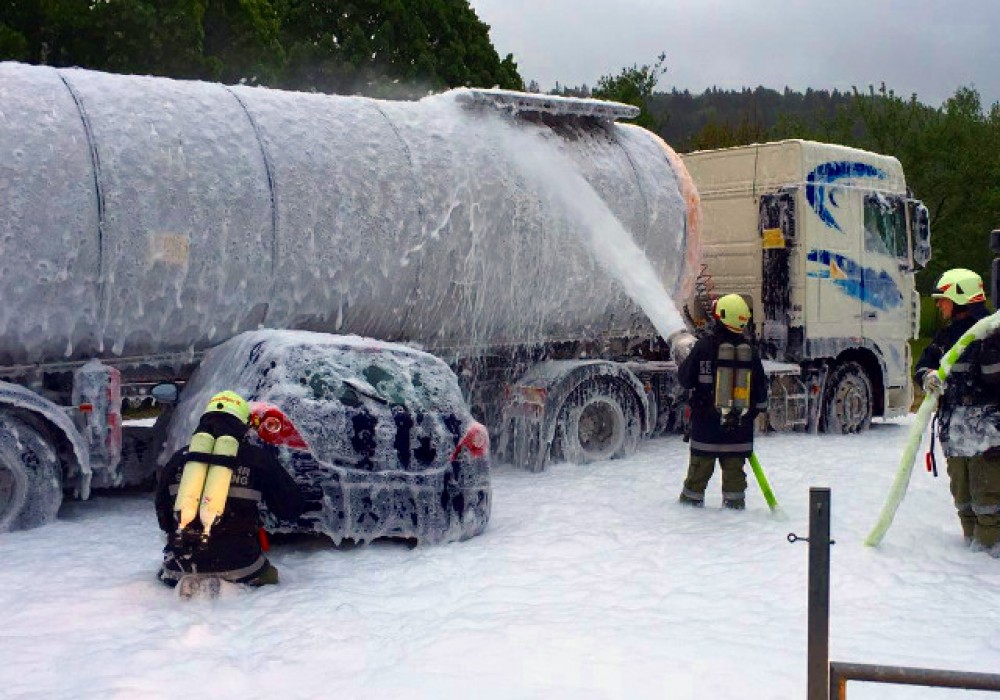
x: 933, y: 384
x: 681, y: 343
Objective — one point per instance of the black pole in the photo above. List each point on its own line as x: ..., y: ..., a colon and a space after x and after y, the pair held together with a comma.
x: 819, y: 594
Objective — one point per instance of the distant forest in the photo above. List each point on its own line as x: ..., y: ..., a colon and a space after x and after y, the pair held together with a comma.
x: 717, y: 118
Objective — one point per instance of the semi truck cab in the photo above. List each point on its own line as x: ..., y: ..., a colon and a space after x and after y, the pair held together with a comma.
x: 825, y: 241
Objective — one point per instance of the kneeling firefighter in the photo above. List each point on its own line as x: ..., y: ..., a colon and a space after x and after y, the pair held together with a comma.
x: 207, y: 499
x: 727, y: 390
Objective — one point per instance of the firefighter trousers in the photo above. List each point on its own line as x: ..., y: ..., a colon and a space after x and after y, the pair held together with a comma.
x: 700, y: 469
x: 975, y: 487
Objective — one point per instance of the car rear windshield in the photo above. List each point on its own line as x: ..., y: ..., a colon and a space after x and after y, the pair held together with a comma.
x: 374, y: 410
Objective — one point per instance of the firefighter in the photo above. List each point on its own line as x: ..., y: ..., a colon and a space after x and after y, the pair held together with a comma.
x: 207, y: 499
x: 968, y: 414
x: 727, y: 389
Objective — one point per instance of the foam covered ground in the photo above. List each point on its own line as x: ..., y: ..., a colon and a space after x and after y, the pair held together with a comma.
x: 590, y: 582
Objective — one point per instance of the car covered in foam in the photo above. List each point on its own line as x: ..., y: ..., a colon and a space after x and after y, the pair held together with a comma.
x: 377, y: 434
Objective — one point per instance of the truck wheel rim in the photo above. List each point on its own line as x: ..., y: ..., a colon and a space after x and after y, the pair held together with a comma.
x: 851, y: 404
x: 600, y: 429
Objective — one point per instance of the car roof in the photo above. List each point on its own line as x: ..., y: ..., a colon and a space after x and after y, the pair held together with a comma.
x: 276, y: 339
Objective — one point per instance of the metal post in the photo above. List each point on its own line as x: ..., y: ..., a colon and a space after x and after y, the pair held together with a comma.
x: 819, y: 594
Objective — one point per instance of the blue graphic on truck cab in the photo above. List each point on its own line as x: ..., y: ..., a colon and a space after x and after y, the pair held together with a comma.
x: 820, y: 196
x: 873, y: 287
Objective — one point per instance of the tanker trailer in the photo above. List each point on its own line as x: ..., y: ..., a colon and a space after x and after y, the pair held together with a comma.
x: 148, y: 219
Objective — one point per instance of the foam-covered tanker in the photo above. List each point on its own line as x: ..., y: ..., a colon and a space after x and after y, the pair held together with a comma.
x: 147, y: 219
x: 145, y: 216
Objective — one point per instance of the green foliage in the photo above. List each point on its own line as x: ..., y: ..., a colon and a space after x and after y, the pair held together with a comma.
x: 374, y: 47
x: 724, y: 135
x: 241, y: 41
x: 634, y: 85
x: 391, y: 48
x: 13, y: 44
x: 930, y: 319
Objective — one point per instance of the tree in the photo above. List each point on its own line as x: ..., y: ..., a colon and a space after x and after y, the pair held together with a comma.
x: 13, y: 44
x: 376, y: 47
x: 391, y: 48
x: 242, y: 42
x: 725, y: 135
x: 634, y: 85
x: 211, y: 39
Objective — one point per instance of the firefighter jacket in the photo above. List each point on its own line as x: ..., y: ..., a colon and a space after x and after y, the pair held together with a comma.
x: 969, y: 409
x: 233, y: 549
x: 711, y: 435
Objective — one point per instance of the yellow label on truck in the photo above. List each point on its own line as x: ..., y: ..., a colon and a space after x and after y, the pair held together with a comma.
x: 773, y: 238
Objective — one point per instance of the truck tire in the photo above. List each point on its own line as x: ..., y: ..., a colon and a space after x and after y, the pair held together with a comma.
x: 30, y: 476
x: 13, y: 487
x: 848, y: 401
x: 598, y: 420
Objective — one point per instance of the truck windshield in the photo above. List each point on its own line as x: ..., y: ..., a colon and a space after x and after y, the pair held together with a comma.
x: 885, y: 226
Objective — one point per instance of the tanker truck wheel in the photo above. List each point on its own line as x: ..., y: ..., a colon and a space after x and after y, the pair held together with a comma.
x: 30, y: 476
x: 598, y: 420
x: 847, y: 401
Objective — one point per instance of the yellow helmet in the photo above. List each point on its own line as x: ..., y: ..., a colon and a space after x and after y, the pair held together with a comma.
x: 961, y: 286
x: 230, y: 402
x: 733, y: 312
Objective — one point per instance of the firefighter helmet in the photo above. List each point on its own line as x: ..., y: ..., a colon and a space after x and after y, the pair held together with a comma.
x: 230, y: 402
x: 732, y: 311
x: 960, y: 286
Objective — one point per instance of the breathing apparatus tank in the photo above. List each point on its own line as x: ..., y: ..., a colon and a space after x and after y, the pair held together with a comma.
x: 733, y: 375
x: 192, y: 480
x: 213, y: 499
x: 204, y: 486
x: 742, y: 378
x: 724, y: 378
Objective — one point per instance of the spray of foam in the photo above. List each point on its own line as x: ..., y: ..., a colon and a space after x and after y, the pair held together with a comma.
x: 551, y: 172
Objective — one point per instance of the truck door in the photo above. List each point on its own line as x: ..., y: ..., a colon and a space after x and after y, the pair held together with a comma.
x: 886, y: 315
x: 834, y: 286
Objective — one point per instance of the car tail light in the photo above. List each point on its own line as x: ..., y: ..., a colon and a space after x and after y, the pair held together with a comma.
x: 476, y: 440
x: 274, y: 427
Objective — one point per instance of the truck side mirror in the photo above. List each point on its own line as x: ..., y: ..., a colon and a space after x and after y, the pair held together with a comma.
x: 165, y: 392
x: 921, y: 226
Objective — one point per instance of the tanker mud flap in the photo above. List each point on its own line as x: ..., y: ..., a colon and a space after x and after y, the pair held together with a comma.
x: 520, y: 440
x: 578, y: 411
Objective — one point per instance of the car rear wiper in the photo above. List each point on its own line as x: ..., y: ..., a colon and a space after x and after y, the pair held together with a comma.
x: 365, y: 389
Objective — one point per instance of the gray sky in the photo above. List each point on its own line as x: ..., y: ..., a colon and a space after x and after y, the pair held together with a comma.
x: 930, y: 47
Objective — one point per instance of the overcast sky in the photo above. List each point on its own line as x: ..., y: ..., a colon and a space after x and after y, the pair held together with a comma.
x: 930, y: 47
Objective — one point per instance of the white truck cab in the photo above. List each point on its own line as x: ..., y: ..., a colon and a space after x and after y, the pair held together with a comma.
x: 824, y: 240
